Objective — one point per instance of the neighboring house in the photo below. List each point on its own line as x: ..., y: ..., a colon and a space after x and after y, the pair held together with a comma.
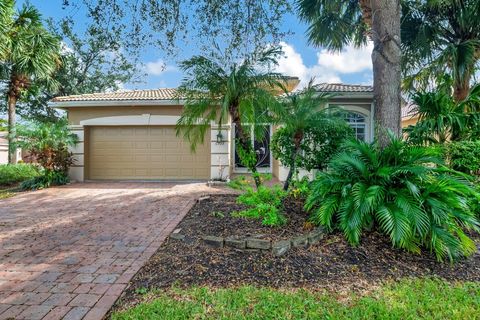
x: 409, y: 116
x: 131, y: 136
x: 3, y: 147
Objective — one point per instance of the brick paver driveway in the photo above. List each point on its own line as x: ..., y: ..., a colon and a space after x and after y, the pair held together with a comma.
x: 69, y: 252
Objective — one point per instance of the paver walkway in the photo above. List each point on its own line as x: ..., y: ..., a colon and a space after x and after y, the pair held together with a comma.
x: 69, y: 252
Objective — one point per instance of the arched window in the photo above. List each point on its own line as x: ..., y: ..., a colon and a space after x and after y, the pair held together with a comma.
x: 359, y: 124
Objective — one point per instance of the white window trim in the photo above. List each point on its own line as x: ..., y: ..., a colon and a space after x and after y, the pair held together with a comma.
x: 364, y: 112
x: 245, y: 170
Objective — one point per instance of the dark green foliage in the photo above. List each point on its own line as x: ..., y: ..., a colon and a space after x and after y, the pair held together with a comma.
x: 309, y: 133
x: 319, y: 144
x: 300, y: 189
x: 216, y: 91
x: 464, y: 156
x: 14, y: 173
x: 266, y: 204
x: 48, y: 179
x: 442, y: 119
x: 93, y: 62
x: 439, y: 37
x: 333, y: 24
x: 404, y: 191
x: 47, y: 144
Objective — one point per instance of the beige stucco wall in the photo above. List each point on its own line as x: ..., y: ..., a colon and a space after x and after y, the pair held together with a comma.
x: 409, y: 121
x: 75, y: 115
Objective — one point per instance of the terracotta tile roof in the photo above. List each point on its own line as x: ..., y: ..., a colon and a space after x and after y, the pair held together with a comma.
x: 340, y: 87
x: 134, y: 95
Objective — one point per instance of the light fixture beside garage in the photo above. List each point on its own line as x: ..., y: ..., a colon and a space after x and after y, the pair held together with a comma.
x: 220, y: 139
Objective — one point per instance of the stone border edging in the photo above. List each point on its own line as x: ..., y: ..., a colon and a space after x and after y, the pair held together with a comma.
x: 277, y: 247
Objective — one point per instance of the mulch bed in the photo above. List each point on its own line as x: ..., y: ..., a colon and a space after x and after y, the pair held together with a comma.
x: 332, y: 264
x: 212, y: 217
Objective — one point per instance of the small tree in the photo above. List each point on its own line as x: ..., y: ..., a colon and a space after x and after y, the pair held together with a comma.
x: 27, y: 52
x: 309, y: 134
x: 214, y: 92
x: 47, y: 144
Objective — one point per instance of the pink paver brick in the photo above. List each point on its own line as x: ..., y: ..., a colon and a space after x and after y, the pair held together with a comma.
x: 69, y: 252
x: 57, y: 313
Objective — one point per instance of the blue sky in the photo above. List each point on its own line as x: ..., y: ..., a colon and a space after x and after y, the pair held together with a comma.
x: 302, y: 60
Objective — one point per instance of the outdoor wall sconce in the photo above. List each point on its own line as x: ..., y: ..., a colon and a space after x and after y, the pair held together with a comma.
x: 220, y: 139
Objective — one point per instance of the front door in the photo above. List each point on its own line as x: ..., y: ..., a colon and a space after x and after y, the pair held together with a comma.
x: 261, y: 147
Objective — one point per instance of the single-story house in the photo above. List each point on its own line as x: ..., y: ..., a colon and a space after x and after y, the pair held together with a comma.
x: 409, y: 116
x: 131, y: 136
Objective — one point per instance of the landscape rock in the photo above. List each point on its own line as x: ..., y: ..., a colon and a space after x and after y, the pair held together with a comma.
x: 258, y: 244
x: 177, y: 236
x: 300, y: 241
x: 315, y: 236
x: 216, y: 242
x: 279, y: 248
x: 235, y: 243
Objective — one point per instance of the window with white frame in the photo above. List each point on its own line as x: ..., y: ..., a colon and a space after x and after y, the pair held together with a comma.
x: 358, y: 122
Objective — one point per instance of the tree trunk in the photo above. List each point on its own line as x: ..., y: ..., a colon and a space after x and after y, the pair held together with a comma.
x: 245, y: 143
x: 386, y: 58
x: 12, y: 130
x: 462, y: 89
x: 297, y: 141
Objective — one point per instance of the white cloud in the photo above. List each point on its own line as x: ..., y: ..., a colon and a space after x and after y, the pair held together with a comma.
x: 159, y: 67
x: 329, y: 67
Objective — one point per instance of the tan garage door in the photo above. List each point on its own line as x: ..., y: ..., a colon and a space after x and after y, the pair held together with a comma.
x: 155, y: 152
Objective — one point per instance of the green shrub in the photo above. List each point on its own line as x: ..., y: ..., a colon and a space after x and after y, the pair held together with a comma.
x: 48, y: 179
x: 300, y: 189
x: 243, y: 182
x: 318, y: 145
x: 14, y: 173
x: 464, y: 156
x: 265, y: 203
x: 404, y: 191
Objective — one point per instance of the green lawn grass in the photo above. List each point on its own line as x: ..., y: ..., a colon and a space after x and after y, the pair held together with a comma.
x: 407, y: 299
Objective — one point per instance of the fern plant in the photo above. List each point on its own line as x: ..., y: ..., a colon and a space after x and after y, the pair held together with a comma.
x: 403, y: 191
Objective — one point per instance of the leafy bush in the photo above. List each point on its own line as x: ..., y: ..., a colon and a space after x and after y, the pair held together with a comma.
x: 265, y: 203
x: 47, y: 144
x: 300, y: 189
x: 15, y: 173
x: 318, y: 144
x: 48, y: 179
x: 464, y: 156
x: 243, y: 182
x: 404, y: 191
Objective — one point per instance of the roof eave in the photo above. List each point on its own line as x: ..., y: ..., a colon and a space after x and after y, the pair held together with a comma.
x: 112, y: 103
x: 347, y: 95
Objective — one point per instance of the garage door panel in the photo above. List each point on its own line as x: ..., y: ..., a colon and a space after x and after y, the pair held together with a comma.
x: 144, y: 153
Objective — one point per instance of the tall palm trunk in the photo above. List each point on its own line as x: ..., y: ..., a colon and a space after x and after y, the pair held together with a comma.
x: 18, y: 83
x: 245, y: 143
x: 12, y: 131
x: 462, y: 88
x: 386, y: 58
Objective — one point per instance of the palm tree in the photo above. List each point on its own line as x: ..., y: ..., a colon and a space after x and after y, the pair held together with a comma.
x: 442, y: 119
x: 28, y: 52
x: 336, y: 24
x: 441, y: 36
x: 241, y: 91
x: 402, y: 191
x: 297, y: 113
